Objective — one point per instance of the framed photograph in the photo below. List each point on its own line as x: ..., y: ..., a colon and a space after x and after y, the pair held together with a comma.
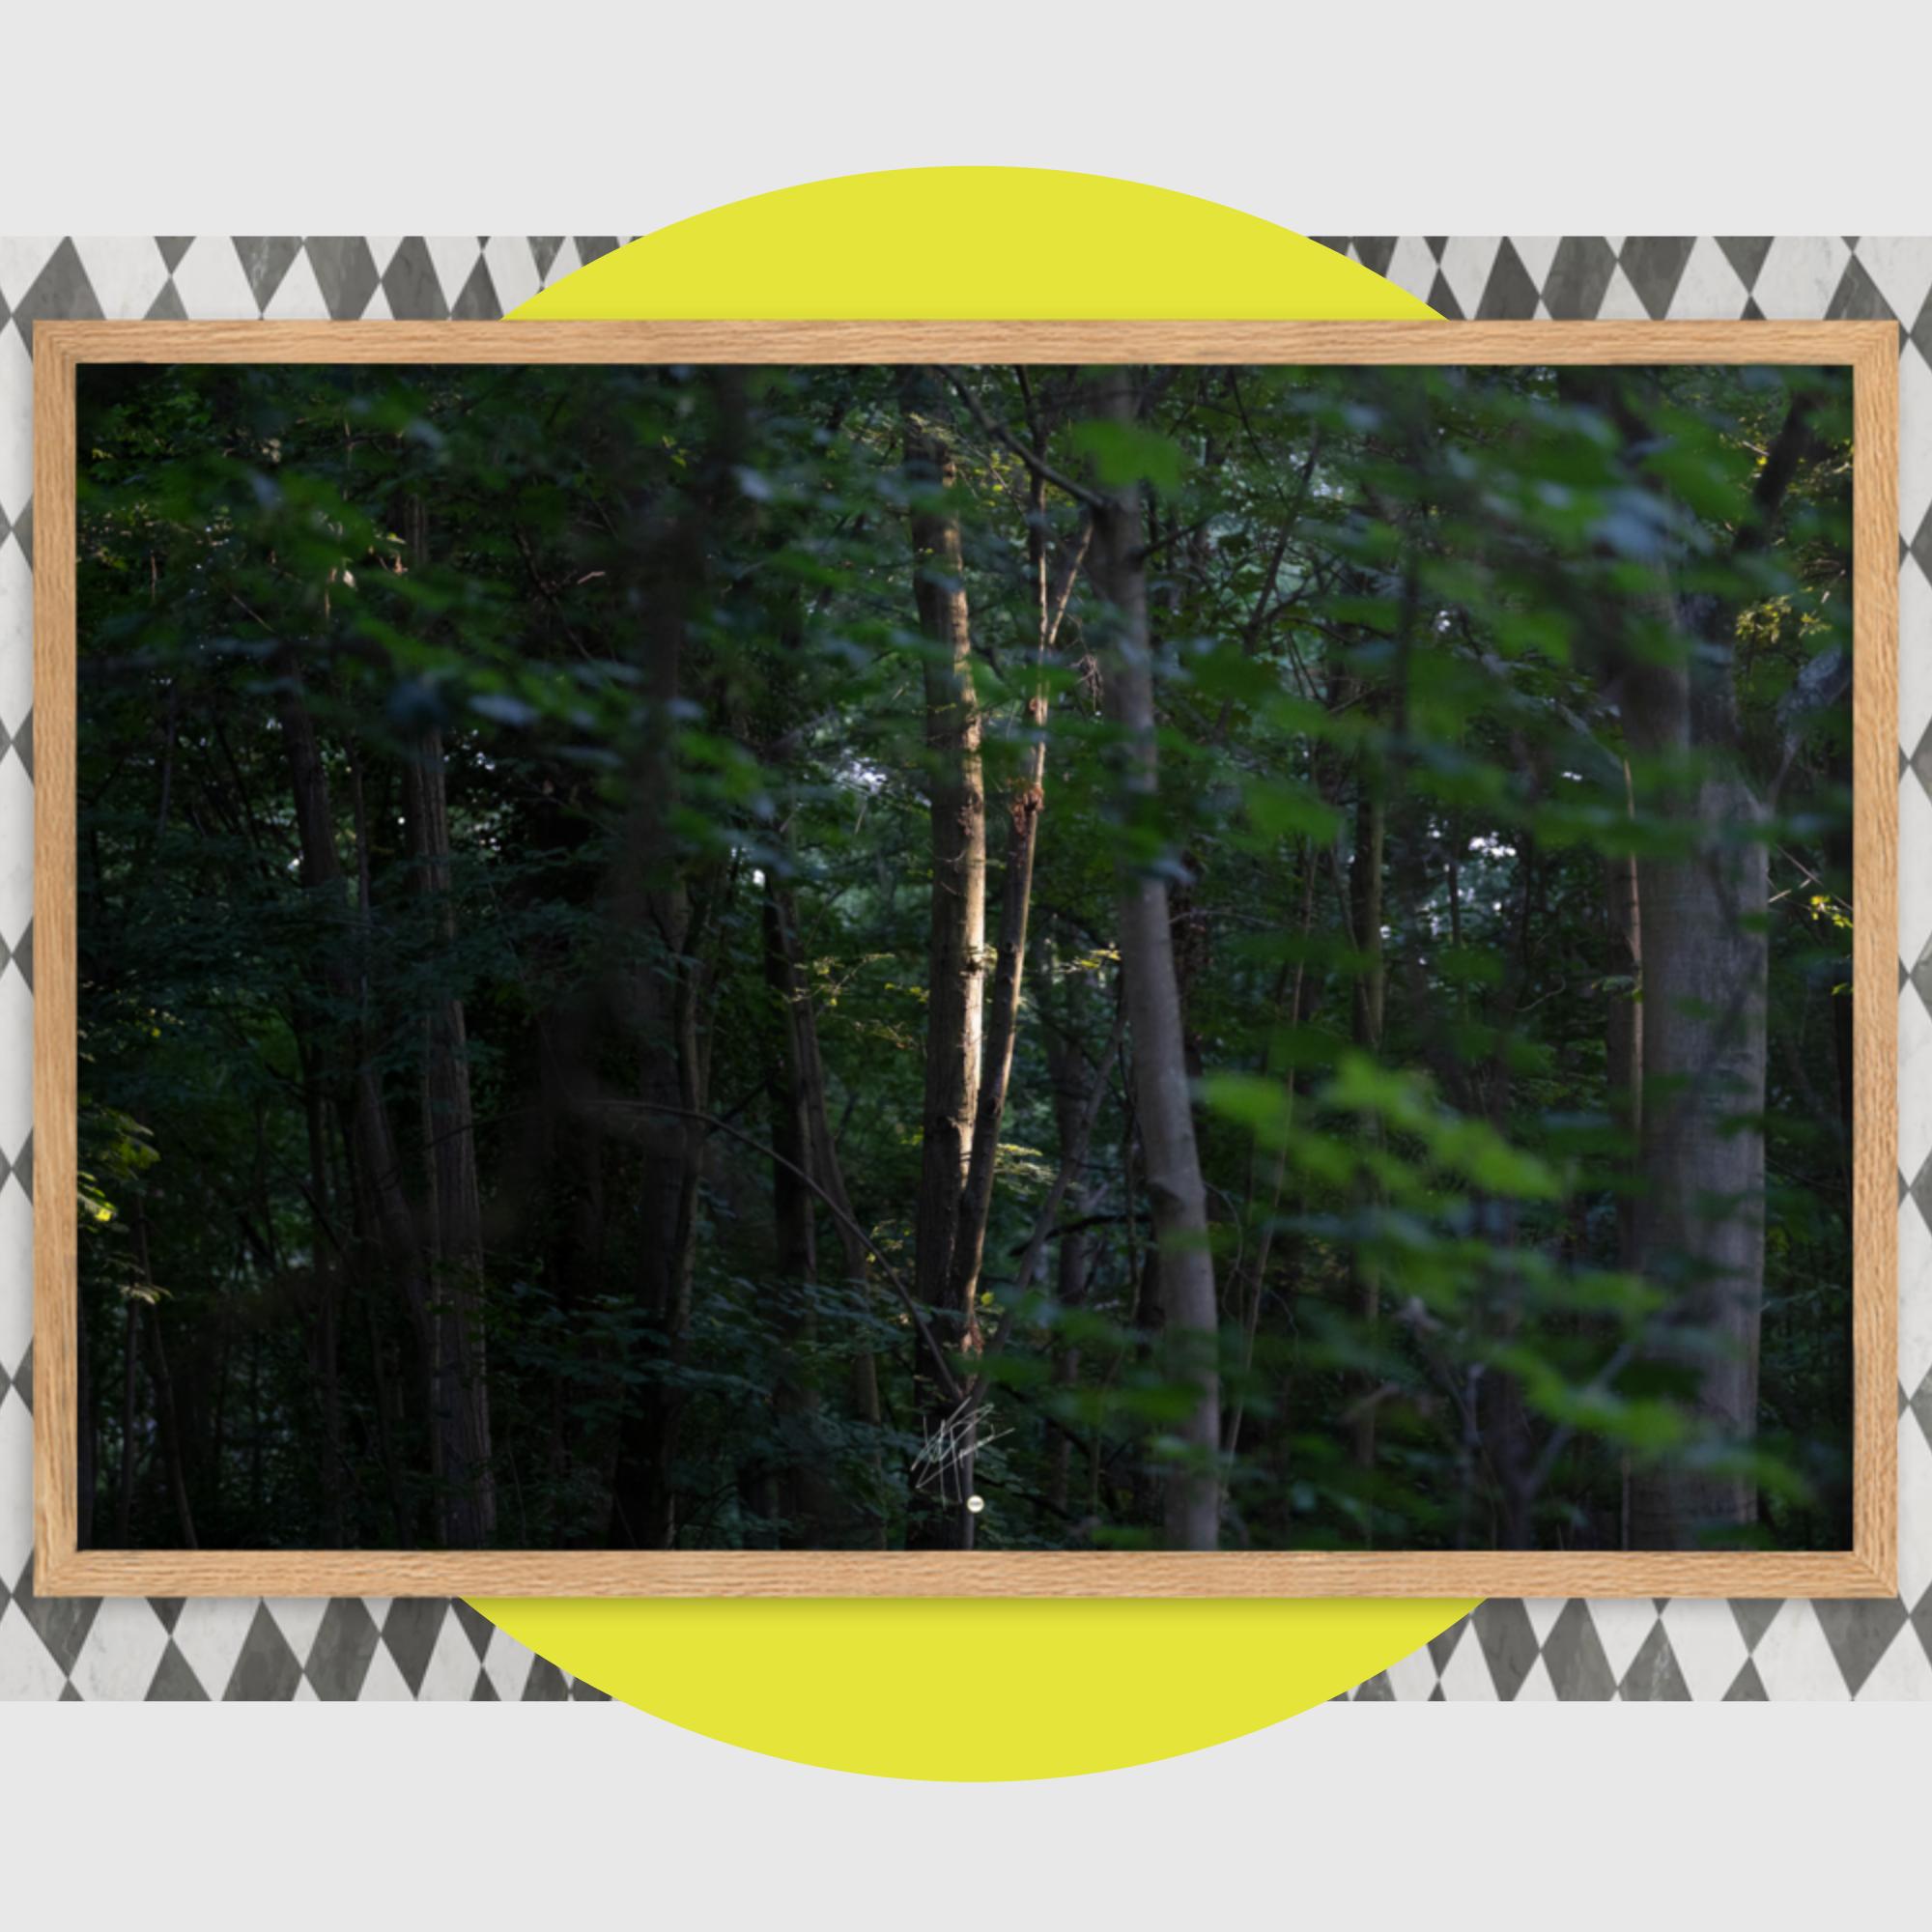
x: 832, y: 958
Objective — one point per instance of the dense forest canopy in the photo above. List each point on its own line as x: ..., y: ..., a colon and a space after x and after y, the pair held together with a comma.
x: 872, y: 957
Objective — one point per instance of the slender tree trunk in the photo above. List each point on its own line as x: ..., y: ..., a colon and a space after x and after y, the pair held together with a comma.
x: 956, y: 964
x: 1365, y: 887
x: 1623, y: 1030
x: 131, y: 1393
x: 326, y: 1265
x: 384, y: 1219
x: 1176, y: 1193
x: 1024, y: 802
x: 87, y: 1446
x: 807, y: 1496
x: 454, y: 1222
x: 167, y: 1415
x: 1073, y: 1080
x: 822, y: 1162
x: 1266, y: 1181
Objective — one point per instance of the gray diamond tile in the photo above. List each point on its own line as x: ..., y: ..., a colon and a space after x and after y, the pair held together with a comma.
x: 265, y: 259
x: 1442, y: 1646
x: 544, y: 1683
x: 476, y: 1627
x: 1746, y: 254
x: 345, y: 271
x: 409, y: 282
x: 1859, y: 1633
x: 1655, y: 265
x: 266, y: 1670
x: 344, y: 1643
x: 175, y: 1682
x: 477, y: 302
x: 411, y: 1631
x: 61, y: 1623
x: 1857, y: 298
x: 1653, y: 1677
x: 1755, y: 1615
x: 1508, y: 295
x: 1572, y: 1654
x: 1442, y: 299
x: 1509, y: 1642
x: 1579, y: 275
x: 1748, y: 1688
x: 60, y: 292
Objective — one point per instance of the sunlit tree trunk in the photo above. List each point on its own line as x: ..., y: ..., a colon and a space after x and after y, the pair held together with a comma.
x: 956, y: 962
x: 1022, y: 803
x: 1176, y: 1193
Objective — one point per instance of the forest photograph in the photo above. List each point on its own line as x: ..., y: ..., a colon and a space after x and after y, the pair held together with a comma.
x: 1010, y: 957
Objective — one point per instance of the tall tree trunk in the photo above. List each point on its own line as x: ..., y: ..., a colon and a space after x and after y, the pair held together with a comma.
x: 454, y: 1221
x: 807, y: 1496
x: 326, y: 1268
x: 1024, y: 802
x: 660, y: 998
x: 1073, y: 1079
x: 1365, y: 921
x: 1697, y: 1232
x: 1699, y: 1223
x: 384, y: 1223
x: 955, y: 955
x: 1176, y: 1196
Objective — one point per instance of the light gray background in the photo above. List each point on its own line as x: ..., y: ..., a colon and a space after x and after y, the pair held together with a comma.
x: 352, y: 1647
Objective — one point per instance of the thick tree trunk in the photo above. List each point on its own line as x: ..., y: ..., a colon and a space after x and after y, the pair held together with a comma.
x: 1175, y: 1194
x: 659, y: 999
x: 957, y: 965
x: 1699, y: 1222
x: 1697, y: 1232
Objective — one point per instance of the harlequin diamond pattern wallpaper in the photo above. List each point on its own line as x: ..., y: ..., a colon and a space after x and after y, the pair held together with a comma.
x: 355, y: 1648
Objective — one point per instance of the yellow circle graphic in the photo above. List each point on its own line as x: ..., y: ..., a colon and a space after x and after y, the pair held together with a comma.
x: 973, y: 1688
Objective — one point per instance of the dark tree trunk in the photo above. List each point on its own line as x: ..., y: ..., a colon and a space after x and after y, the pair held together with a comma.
x: 659, y: 1000
x: 806, y: 1081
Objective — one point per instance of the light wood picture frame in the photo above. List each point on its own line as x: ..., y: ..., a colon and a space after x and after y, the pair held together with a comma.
x: 1867, y: 1569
